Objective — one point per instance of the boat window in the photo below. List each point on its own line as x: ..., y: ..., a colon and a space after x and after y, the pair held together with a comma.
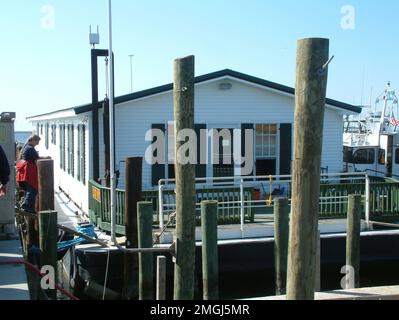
x: 397, y: 155
x: 364, y: 156
x: 348, y: 151
x: 381, y: 156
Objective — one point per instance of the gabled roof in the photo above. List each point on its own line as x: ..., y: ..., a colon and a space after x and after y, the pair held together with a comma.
x: 208, y: 77
x: 213, y: 76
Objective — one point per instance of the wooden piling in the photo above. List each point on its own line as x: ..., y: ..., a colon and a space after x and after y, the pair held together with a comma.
x: 311, y: 84
x: 144, y: 221
x: 185, y: 182
x: 317, y: 285
x: 48, y: 238
x: 45, y: 170
x: 161, y: 278
x: 210, y: 257
x: 133, y: 185
x: 353, y: 236
x: 281, y: 236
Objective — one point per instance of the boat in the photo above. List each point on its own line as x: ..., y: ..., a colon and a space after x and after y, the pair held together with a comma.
x: 371, y: 140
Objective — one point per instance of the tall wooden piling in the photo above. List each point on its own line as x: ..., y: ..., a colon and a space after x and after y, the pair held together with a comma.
x: 48, y: 238
x: 144, y: 221
x: 210, y: 257
x: 185, y: 182
x: 311, y: 84
x: 45, y: 170
x: 317, y: 284
x: 281, y: 236
x: 161, y: 278
x: 133, y: 185
x: 353, y: 236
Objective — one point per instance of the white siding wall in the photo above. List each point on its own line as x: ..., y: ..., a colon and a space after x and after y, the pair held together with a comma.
x: 74, y: 188
x: 242, y: 104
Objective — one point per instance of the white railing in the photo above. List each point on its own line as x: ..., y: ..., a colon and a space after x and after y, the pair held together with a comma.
x: 282, y: 181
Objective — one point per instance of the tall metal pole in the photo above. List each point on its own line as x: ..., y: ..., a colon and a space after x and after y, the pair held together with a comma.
x: 111, y: 123
x: 131, y: 72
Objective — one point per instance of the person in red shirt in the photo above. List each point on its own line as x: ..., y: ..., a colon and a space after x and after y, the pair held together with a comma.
x: 27, y: 176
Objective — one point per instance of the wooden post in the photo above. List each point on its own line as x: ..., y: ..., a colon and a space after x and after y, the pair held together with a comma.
x: 311, y: 84
x: 353, y: 236
x: 146, y: 276
x: 317, y: 285
x: 185, y: 182
x: 45, y: 169
x: 161, y: 278
x: 133, y: 180
x: 48, y: 238
x: 210, y: 258
x: 281, y: 236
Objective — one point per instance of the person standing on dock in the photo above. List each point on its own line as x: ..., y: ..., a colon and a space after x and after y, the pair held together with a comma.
x: 27, y: 176
x: 4, y: 172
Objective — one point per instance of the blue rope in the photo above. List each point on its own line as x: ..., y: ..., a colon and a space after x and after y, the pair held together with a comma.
x: 65, y: 245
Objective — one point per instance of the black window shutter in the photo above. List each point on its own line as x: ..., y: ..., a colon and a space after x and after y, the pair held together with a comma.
x: 158, y: 170
x: 200, y: 169
x: 285, y: 148
x: 246, y: 126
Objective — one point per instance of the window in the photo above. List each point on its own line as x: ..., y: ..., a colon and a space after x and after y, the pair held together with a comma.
x: 62, y: 147
x: 46, y: 136
x: 53, y: 134
x: 397, y: 155
x: 364, y: 156
x: 81, y: 174
x: 348, y: 151
x: 381, y: 157
x: 266, y: 140
x: 71, y: 150
x: 266, y: 149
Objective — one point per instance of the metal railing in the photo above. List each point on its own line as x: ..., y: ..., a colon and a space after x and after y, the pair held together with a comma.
x: 244, y: 200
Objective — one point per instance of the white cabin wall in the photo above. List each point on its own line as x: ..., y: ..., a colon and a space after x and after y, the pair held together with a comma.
x: 76, y: 190
x: 242, y: 104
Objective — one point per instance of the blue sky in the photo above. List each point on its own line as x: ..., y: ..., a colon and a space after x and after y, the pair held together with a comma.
x: 45, y: 66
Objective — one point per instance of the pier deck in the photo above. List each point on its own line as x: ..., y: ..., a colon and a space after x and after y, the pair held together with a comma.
x: 13, y: 281
x: 376, y: 293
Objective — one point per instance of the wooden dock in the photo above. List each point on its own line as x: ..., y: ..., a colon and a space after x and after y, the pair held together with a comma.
x: 13, y: 280
x: 376, y: 293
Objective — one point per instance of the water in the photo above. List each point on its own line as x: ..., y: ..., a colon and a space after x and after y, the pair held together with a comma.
x: 22, y: 136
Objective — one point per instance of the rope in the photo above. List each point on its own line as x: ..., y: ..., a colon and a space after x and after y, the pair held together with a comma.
x: 37, y: 271
x: 269, y: 201
x: 106, y: 79
x: 65, y: 245
x: 172, y: 218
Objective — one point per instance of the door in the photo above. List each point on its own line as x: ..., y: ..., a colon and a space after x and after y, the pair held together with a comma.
x: 222, y: 152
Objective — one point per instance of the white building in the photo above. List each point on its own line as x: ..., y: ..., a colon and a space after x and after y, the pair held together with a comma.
x: 223, y: 100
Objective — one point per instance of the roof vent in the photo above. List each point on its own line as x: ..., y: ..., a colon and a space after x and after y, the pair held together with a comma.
x: 225, y: 86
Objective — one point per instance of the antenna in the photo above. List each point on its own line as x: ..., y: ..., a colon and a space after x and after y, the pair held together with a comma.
x: 94, y: 38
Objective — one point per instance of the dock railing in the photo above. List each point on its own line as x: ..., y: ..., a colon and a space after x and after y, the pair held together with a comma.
x: 243, y: 200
